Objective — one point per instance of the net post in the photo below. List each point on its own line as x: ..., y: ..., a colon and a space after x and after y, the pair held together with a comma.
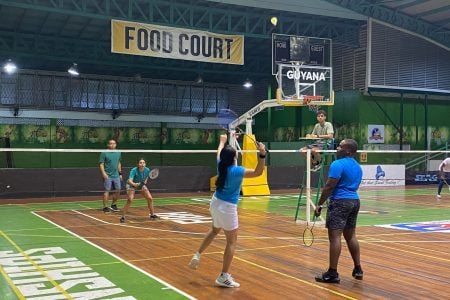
x: 308, y: 185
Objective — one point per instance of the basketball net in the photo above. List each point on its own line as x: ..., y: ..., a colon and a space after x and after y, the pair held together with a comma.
x: 309, y: 101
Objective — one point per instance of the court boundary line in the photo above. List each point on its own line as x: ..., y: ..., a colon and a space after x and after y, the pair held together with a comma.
x: 164, y: 283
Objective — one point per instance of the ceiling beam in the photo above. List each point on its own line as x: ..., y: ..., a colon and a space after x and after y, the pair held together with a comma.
x: 396, y: 18
x: 250, y: 23
x: 56, y: 50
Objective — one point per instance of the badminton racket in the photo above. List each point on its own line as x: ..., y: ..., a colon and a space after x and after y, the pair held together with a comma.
x: 308, y: 233
x: 445, y: 181
x: 154, y: 173
x: 225, y: 117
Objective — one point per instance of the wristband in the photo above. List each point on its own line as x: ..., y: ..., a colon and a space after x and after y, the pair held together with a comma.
x: 262, y: 155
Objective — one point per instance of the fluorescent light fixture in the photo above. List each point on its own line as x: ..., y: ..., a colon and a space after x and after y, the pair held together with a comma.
x: 73, y: 70
x: 10, y: 67
x: 247, y: 84
x: 199, y: 80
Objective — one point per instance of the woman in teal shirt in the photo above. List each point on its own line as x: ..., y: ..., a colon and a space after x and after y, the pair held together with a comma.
x: 137, y: 182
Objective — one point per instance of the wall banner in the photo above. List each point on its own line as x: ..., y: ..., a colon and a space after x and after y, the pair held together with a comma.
x: 383, y: 175
x: 176, y: 43
x: 375, y: 134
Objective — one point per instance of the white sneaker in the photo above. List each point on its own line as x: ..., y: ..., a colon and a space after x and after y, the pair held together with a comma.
x: 226, y: 280
x: 438, y: 196
x: 195, y: 261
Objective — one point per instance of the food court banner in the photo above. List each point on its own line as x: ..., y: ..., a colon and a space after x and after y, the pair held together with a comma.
x: 176, y: 43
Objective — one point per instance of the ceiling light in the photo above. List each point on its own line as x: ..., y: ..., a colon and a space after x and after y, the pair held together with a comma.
x: 73, y: 70
x: 247, y: 84
x: 199, y: 80
x: 10, y: 67
x: 274, y: 21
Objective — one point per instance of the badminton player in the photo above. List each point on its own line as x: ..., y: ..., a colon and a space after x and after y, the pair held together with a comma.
x: 137, y: 182
x: 444, y: 174
x: 223, y: 207
x: 111, y: 171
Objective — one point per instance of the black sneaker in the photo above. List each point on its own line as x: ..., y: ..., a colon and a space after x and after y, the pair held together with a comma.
x: 114, y: 208
x: 154, y: 217
x: 106, y: 209
x: 328, y: 278
x: 122, y: 220
x: 358, y: 273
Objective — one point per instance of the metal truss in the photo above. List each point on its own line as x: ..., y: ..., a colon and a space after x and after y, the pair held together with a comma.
x: 201, y: 15
x: 57, y: 50
x: 376, y: 10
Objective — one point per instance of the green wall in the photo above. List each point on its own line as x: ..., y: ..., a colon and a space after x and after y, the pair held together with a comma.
x: 350, y: 115
x: 353, y: 112
x: 85, y: 137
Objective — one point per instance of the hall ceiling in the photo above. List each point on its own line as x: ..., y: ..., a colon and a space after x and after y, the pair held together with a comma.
x: 52, y: 34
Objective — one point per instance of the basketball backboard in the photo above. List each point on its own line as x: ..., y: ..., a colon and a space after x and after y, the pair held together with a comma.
x: 307, y: 50
x: 304, y: 84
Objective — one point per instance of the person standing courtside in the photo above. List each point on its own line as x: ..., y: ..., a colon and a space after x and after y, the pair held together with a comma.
x: 444, y: 175
x: 111, y: 171
x: 323, y: 132
x: 344, y: 177
x: 223, y: 207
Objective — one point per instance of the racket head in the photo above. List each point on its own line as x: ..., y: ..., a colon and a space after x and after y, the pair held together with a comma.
x: 308, y: 236
x: 240, y: 132
x: 154, y: 173
x: 224, y: 118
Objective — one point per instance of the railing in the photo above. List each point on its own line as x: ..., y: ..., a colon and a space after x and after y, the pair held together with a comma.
x: 426, y: 157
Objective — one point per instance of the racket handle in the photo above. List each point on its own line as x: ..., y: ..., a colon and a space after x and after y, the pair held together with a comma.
x: 319, y: 211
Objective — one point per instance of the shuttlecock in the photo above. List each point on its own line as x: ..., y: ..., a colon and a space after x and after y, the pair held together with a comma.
x: 8, y: 186
x: 274, y: 21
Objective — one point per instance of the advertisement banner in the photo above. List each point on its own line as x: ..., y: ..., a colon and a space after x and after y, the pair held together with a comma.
x: 383, y: 175
x: 176, y: 43
x: 375, y: 134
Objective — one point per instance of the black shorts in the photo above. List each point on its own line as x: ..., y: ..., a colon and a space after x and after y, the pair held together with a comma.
x: 342, y: 213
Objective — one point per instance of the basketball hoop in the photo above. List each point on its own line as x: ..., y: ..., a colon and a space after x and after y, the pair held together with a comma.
x: 312, y: 102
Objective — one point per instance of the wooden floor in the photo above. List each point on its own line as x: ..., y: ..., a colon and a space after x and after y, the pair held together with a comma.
x: 270, y: 262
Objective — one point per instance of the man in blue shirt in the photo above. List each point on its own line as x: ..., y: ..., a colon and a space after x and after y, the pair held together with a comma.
x: 344, y: 177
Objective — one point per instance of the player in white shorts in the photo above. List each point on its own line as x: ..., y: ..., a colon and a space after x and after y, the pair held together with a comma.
x: 223, y: 206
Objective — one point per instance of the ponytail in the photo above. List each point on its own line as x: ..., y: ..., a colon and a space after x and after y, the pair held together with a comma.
x: 227, y: 156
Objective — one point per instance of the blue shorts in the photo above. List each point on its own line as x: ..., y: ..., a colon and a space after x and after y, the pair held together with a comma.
x: 320, y: 146
x: 342, y: 213
x: 112, y: 184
